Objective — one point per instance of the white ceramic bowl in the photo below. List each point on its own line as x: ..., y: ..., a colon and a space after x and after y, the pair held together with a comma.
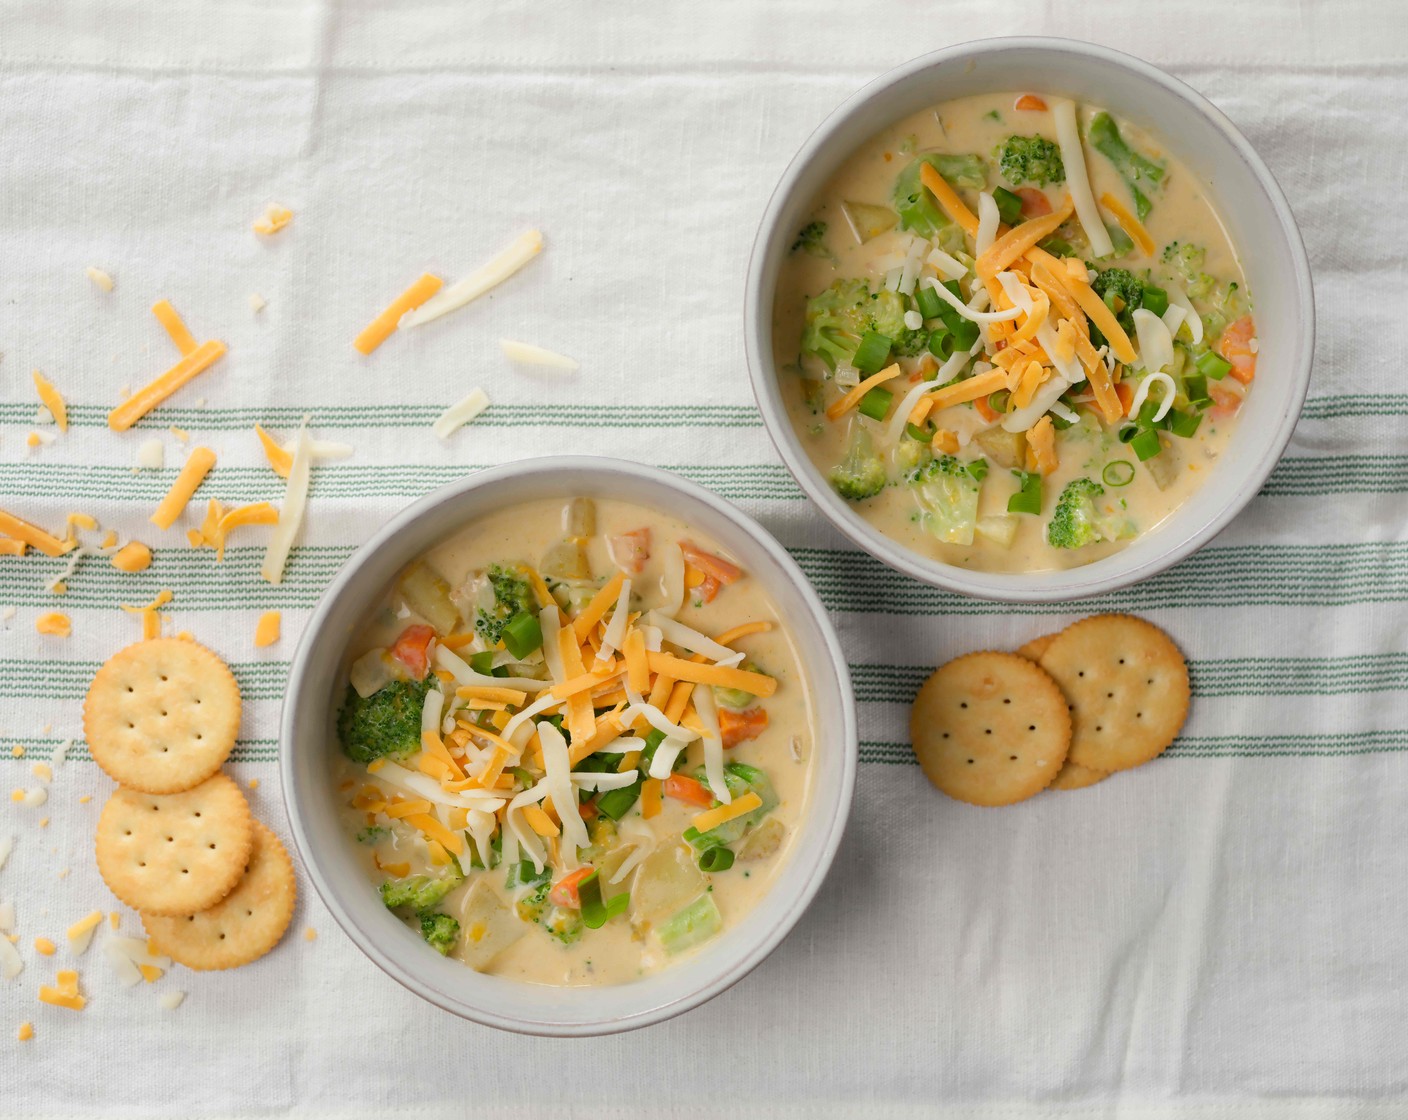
x: 1245, y: 195
x: 307, y: 740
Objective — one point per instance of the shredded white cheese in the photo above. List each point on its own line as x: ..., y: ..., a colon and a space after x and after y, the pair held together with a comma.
x: 989, y: 218
x: 1155, y: 341
x: 524, y: 249
x: 1077, y: 180
x: 713, y: 744
x: 525, y: 837
x: 1142, y: 394
x: 172, y: 1000
x: 525, y: 353
x: 291, y: 514
x: 7, y: 845
x: 257, y: 302
x: 11, y: 964
x: 99, y: 277
x: 947, y: 266
x: 967, y: 312
x: 460, y: 414
x: 689, y: 638
x: 7, y: 917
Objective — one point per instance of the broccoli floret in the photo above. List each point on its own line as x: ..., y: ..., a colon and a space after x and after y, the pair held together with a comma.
x: 1031, y: 159
x: 1187, y: 263
x: 1122, y: 282
x: 811, y: 238
x: 838, y: 318
x: 1077, y: 521
x: 512, y: 597
x: 385, y: 724
x: 916, y: 206
x: 1134, y: 168
x: 371, y: 834
x: 440, y: 932
x: 947, y: 492
x: 420, y: 893
x: 861, y: 473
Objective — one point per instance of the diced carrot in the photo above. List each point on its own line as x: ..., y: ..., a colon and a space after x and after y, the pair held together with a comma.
x: 630, y: 550
x: 411, y: 649
x: 564, y: 891
x: 706, y: 589
x: 1034, y: 202
x: 985, y: 410
x: 1125, y: 391
x: 588, y: 810
x: 1029, y: 102
x: 736, y: 727
x: 684, y: 788
x: 1225, y: 400
x: 1236, y: 346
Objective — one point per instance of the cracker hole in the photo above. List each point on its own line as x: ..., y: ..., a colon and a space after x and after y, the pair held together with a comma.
x: 1099, y: 728
x: 1138, y: 715
x: 249, y: 913
x: 963, y: 703
x: 1013, y: 757
x: 1007, y: 699
x: 163, y: 676
x: 1031, y: 727
x: 987, y: 731
x: 945, y: 734
x: 970, y: 762
x: 1121, y: 660
x: 184, y: 871
x: 171, y: 839
x: 1109, y: 696
x: 127, y: 832
x: 141, y: 863
x: 222, y: 937
x: 1081, y: 673
x: 1149, y: 681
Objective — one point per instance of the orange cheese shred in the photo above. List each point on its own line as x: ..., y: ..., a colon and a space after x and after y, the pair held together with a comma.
x: 147, y: 398
x: 1129, y: 223
x: 969, y: 390
x: 279, y: 459
x: 600, y: 603
x: 31, y: 535
x: 171, y: 322
x: 266, y: 631
x: 948, y: 199
x: 197, y: 466
x: 1016, y: 241
x: 52, y: 400
x: 381, y: 328
x: 694, y: 672
x: 837, y: 409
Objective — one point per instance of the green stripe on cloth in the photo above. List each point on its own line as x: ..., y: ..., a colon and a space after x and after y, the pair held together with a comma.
x: 1324, y: 575
x: 1301, y: 476
x: 1217, y: 746
x: 246, y: 750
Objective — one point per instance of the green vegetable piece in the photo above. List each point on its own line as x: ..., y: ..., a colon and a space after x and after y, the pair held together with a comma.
x: 524, y: 874
x: 923, y: 435
x: 596, y: 912
x: 1145, y: 443
x: 872, y: 353
x: 1078, y: 522
x: 512, y: 597
x: 1031, y: 159
x: 691, y: 926
x: 917, y: 209
x: 1118, y: 473
x: 1213, y: 365
x: 876, y: 403
x: 482, y: 663
x: 811, y: 238
x: 964, y: 335
x: 1184, y: 424
x: 861, y: 473
x: 371, y: 834
x: 1195, y: 388
x: 1135, y: 169
x: 838, y: 318
x: 1124, y: 286
x: 978, y: 468
x: 1027, y: 499
x: 941, y: 343
x: 928, y: 301
x: 385, y: 724
x: 716, y: 859
x: 947, y: 494
x: 1009, y: 205
x: 522, y: 635
x: 1154, y: 299
x: 440, y: 932
x: 420, y: 893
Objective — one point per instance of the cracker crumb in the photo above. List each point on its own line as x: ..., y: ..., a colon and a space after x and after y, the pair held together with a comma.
x: 60, y: 588
x: 43, y: 416
x: 310, y: 934
x: 43, y: 822
x: 181, y: 434
x: 63, y: 873
x: 274, y: 219
x: 114, y: 919
x: 41, y: 771
x: 151, y: 455
x: 17, y: 751
x: 26, y: 1032
x: 257, y: 302
x: 253, y: 783
x: 45, y: 946
x: 53, y: 623
x: 87, y: 797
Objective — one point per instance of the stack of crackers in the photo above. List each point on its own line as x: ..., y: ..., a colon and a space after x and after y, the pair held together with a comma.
x: 1066, y: 710
x: 177, y: 841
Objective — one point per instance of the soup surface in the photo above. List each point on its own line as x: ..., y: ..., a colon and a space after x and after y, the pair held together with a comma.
x: 575, y: 741
x: 1015, y: 334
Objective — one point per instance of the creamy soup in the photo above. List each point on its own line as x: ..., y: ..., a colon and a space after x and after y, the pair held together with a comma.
x: 1014, y: 333
x: 576, y: 743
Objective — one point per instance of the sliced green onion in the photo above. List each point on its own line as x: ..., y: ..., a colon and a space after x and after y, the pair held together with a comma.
x: 964, y: 335
x: 872, y: 353
x: 876, y: 403
x: 616, y: 803
x: 1195, y: 388
x: 1127, y: 432
x: 696, y: 922
x: 1060, y: 423
x: 998, y: 401
x: 1184, y: 424
x: 1146, y: 443
x: 483, y: 663
x: 1028, y: 498
x: 978, y: 468
x: 1118, y: 473
x: 921, y: 434
x: 1155, y: 299
x: 596, y: 911
x: 522, y: 635
x: 1211, y: 364
x: 929, y: 302
x: 716, y: 859
x: 941, y: 342
x: 1009, y: 205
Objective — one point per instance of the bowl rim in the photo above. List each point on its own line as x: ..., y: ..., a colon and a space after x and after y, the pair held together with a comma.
x: 817, y: 859
x: 1036, y: 586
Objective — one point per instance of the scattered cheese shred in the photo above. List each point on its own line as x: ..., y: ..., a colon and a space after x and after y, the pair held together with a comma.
x: 948, y: 199
x: 99, y: 277
x: 694, y: 672
x: 651, y: 798
x: 257, y: 303
x: 970, y: 390
x: 274, y: 219
x: 524, y: 248
x: 52, y: 400
x: 280, y: 459
x: 134, y: 556
x: 45, y: 946
x: 725, y: 813
x: 31, y: 535
x: 525, y: 353
x: 26, y: 1032
x: 1063, y: 114
x: 172, y: 323
x: 197, y: 466
x: 460, y: 414
x: 837, y: 409
x: 266, y: 633
x: 1103, y: 318
x: 1129, y: 223
x: 381, y: 328
x: 1015, y: 242
x: 54, y: 623
x: 291, y: 515
x: 80, y: 934
x: 64, y: 993
x: 172, y: 1000
x: 149, y: 396
x: 10, y: 547
x: 600, y: 603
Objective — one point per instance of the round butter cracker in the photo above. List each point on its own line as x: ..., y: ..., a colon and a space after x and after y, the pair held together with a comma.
x: 161, y: 716
x: 1075, y: 776
x: 1127, y: 685
x: 990, y: 728
x: 175, y: 853
x: 244, y: 925
x: 1033, y: 649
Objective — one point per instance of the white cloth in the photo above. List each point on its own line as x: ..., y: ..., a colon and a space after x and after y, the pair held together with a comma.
x: 1219, y: 934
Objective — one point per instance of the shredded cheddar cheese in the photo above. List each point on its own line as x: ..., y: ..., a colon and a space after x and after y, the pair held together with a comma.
x: 266, y: 632
x: 52, y: 400
x: 53, y: 623
x: 198, y: 465
x: 134, y: 556
x: 381, y: 328
x: 31, y: 535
